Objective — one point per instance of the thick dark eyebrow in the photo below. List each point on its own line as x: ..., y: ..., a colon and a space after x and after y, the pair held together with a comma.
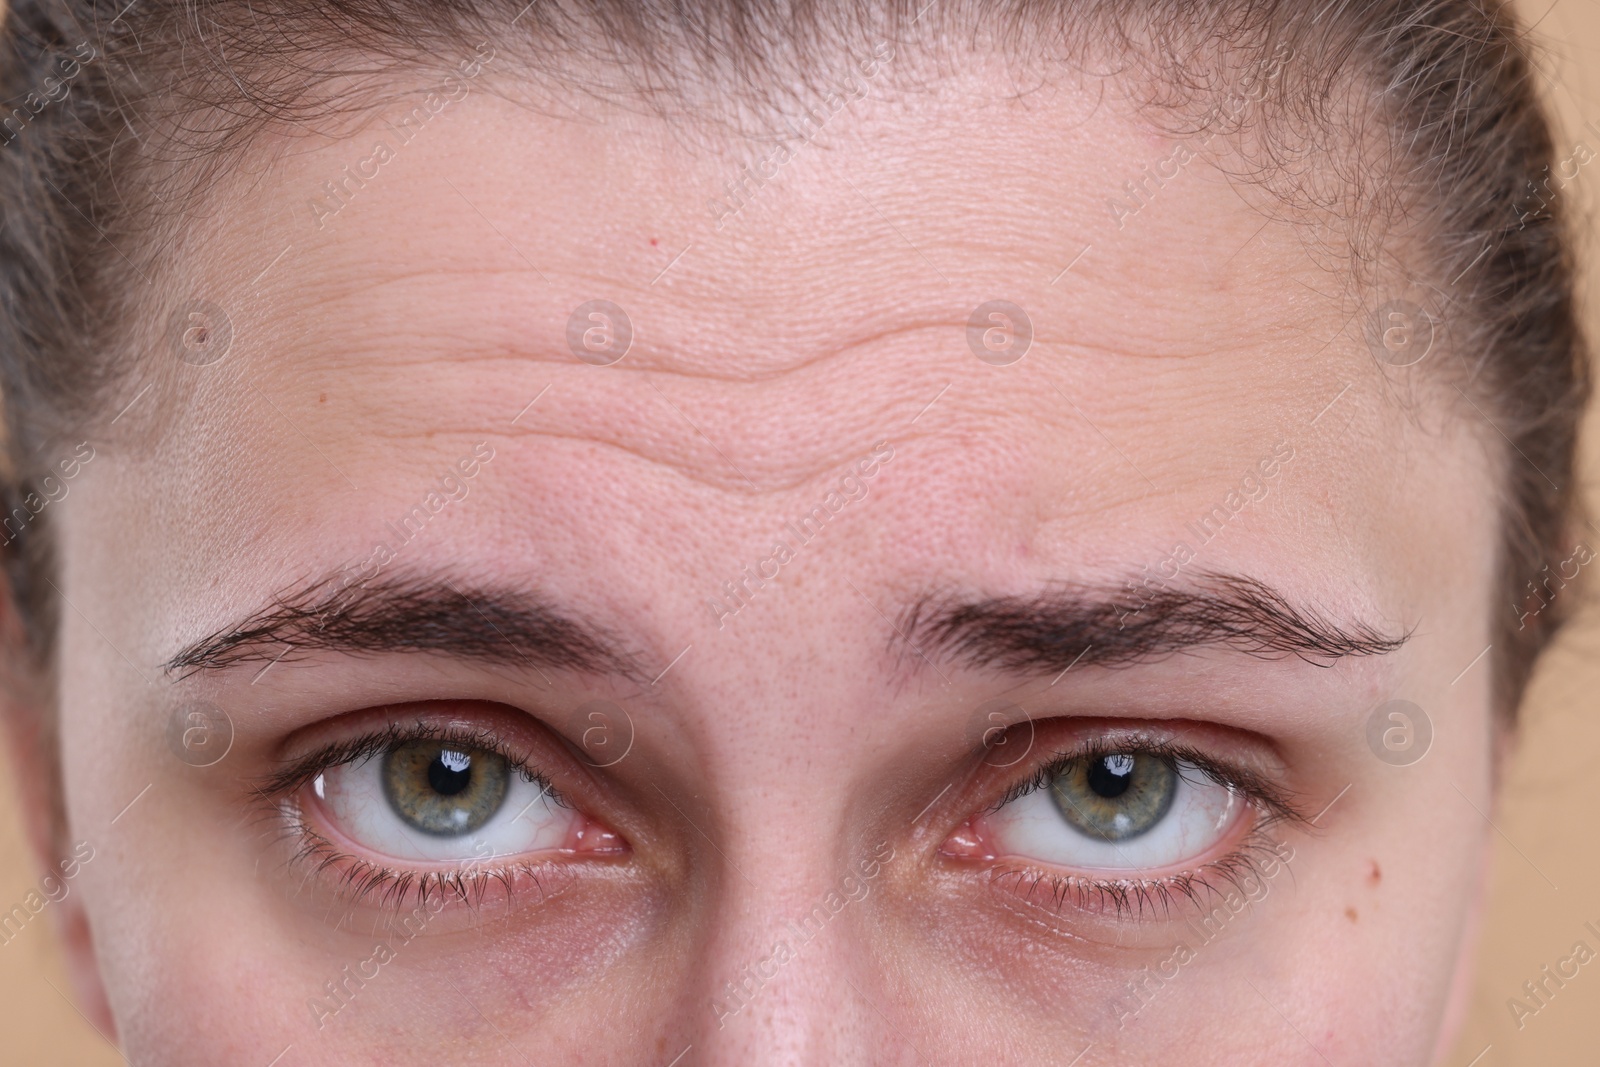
x: 1087, y: 625
x: 412, y: 614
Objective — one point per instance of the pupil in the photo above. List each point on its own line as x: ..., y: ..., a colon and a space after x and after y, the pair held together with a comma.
x: 450, y: 772
x: 1110, y: 776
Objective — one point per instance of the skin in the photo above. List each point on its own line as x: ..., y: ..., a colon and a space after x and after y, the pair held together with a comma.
x: 795, y: 739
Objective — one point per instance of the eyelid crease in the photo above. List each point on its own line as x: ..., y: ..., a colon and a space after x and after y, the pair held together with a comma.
x: 303, y: 769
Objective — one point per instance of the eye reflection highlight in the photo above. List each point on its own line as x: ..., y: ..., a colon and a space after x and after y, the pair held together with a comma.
x: 1121, y: 808
x: 427, y: 798
x: 442, y: 789
x: 1115, y: 797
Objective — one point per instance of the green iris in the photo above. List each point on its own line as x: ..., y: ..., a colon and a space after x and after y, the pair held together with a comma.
x: 444, y: 789
x: 1115, y: 797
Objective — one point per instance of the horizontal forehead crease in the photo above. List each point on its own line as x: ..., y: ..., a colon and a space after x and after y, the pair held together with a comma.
x: 779, y: 433
x: 839, y: 308
x: 874, y: 228
x: 724, y: 398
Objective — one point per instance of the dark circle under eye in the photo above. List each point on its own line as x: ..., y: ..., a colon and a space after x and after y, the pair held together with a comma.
x: 442, y: 788
x: 1117, y: 796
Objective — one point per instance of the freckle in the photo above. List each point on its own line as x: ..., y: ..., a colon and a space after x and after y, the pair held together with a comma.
x: 322, y: 398
x: 1350, y: 913
x: 1374, y: 876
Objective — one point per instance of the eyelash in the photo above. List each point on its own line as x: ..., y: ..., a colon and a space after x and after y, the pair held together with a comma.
x: 1272, y: 804
x: 392, y: 889
x: 388, y: 888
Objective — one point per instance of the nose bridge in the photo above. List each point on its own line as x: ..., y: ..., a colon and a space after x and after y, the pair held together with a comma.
x: 790, y: 979
x: 785, y: 970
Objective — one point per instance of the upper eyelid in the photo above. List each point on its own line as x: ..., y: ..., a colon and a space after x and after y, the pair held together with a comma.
x: 1279, y: 801
x: 1273, y: 802
x: 302, y: 769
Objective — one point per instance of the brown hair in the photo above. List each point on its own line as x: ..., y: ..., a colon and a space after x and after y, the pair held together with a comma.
x: 118, y: 115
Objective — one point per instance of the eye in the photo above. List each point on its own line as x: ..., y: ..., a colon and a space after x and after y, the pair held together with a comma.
x: 1115, y: 797
x: 437, y: 801
x: 1122, y: 820
x: 442, y: 800
x: 1136, y: 813
x: 442, y: 789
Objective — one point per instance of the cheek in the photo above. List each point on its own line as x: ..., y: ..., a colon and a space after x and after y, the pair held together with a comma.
x: 186, y: 934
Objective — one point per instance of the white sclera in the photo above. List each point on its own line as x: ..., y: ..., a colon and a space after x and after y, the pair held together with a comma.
x: 1032, y: 827
x: 527, y: 821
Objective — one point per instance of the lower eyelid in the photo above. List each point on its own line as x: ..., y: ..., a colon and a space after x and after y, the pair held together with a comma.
x: 347, y: 866
x: 1241, y: 854
x: 496, y: 884
x: 1254, y: 861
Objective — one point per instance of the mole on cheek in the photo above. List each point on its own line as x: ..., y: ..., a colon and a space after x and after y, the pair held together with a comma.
x: 1350, y: 913
x: 1374, y: 876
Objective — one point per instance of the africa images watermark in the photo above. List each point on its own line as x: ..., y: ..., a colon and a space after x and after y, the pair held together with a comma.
x: 1539, y: 992
x: 796, y: 534
x: 1539, y: 196
x: 1252, y: 489
x: 1153, y: 177
x: 337, y: 193
x: 340, y: 992
x: 1540, y: 594
x: 53, y: 889
x: 52, y: 90
x: 752, y: 978
x: 52, y: 489
x: 1251, y: 888
x: 453, y: 487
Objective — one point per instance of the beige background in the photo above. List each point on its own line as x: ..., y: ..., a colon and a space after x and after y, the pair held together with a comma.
x: 1546, y: 881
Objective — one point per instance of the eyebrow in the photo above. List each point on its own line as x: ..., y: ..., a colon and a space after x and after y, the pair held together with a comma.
x: 430, y: 613
x: 1054, y: 630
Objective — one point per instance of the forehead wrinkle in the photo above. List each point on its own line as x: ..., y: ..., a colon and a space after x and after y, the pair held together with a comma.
x: 647, y: 356
x: 729, y: 418
x: 778, y: 432
x: 709, y: 474
x: 669, y: 443
x: 777, y: 330
x: 777, y: 435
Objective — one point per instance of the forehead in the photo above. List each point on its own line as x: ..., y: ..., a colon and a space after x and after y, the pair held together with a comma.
x: 399, y: 293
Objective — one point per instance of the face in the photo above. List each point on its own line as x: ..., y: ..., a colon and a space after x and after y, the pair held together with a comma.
x: 591, y: 584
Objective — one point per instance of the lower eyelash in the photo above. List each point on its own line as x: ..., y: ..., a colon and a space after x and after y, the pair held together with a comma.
x: 359, y: 881
x: 1134, y: 897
